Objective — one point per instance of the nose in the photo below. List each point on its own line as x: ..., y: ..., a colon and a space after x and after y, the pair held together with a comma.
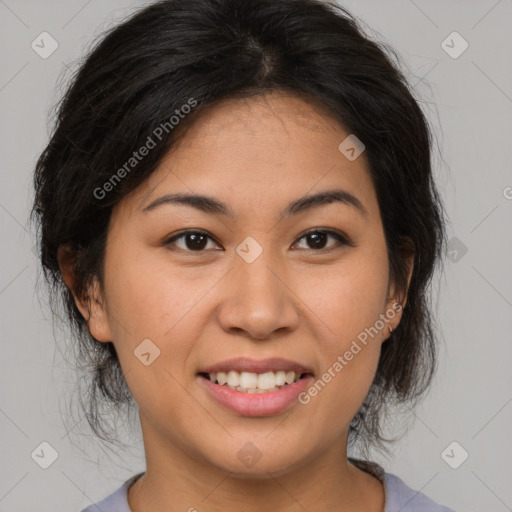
x: 257, y: 301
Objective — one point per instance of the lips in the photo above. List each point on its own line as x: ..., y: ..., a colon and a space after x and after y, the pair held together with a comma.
x: 256, y: 405
x: 272, y: 395
x: 241, y: 364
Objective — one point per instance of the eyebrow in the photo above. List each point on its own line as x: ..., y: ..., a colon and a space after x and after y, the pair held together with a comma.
x: 213, y: 206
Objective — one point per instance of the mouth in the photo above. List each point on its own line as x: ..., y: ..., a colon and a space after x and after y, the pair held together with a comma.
x: 251, y: 388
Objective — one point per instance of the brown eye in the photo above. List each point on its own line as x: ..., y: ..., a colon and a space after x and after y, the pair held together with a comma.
x: 317, y: 240
x: 193, y: 241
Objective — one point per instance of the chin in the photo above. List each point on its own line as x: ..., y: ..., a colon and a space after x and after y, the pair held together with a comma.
x: 255, y: 460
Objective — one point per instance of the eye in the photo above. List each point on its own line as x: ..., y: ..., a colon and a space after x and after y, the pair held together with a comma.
x: 318, y: 239
x: 194, y: 241
x: 197, y: 241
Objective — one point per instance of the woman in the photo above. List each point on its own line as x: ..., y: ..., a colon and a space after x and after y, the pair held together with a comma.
x: 237, y: 207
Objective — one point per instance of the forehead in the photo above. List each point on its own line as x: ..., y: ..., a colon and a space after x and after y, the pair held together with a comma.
x: 258, y: 152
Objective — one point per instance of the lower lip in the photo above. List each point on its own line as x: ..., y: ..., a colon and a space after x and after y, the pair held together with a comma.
x: 256, y: 404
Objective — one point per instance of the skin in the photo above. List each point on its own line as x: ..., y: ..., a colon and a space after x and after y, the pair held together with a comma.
x: 294, y: 301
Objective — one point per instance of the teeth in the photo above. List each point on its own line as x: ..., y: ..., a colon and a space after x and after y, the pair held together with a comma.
x: 249, y: 380
x: 289, y: 377
x: 280, y: 378
x: 253, y: 382
x: 267, y: 380
x: 233, y: 379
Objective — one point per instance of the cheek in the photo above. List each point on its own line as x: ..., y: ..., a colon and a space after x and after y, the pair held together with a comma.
x: 146, y: 296
x: 348, y: 302
x: 348, y: 297
x: 148, y: 302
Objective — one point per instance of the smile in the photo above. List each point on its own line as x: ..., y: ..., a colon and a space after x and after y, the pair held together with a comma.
x: 253, y: 401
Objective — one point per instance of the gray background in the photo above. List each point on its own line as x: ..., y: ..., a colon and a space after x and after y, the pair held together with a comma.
x: 469, y: 102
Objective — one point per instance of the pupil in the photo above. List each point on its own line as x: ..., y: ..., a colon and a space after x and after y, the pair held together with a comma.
x: 199, y: 241
x: 318, y: 240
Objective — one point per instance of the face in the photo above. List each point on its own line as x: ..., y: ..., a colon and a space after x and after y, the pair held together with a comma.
x: 188, y: 288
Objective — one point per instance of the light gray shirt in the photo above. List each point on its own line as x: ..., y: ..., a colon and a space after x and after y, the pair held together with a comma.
x: 398, y: 498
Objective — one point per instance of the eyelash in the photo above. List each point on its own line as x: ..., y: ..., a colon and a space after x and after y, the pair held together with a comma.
x: 340, y: 237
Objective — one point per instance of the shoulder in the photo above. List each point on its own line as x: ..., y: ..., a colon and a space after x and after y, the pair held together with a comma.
x: 115, y: 502
x: 400, y: 497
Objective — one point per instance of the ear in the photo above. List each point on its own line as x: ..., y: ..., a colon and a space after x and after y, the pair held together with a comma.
x: 92, y: 306
x: 398, y: 299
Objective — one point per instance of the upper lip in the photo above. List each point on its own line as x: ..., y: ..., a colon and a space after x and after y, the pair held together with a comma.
x: 244, y: 364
